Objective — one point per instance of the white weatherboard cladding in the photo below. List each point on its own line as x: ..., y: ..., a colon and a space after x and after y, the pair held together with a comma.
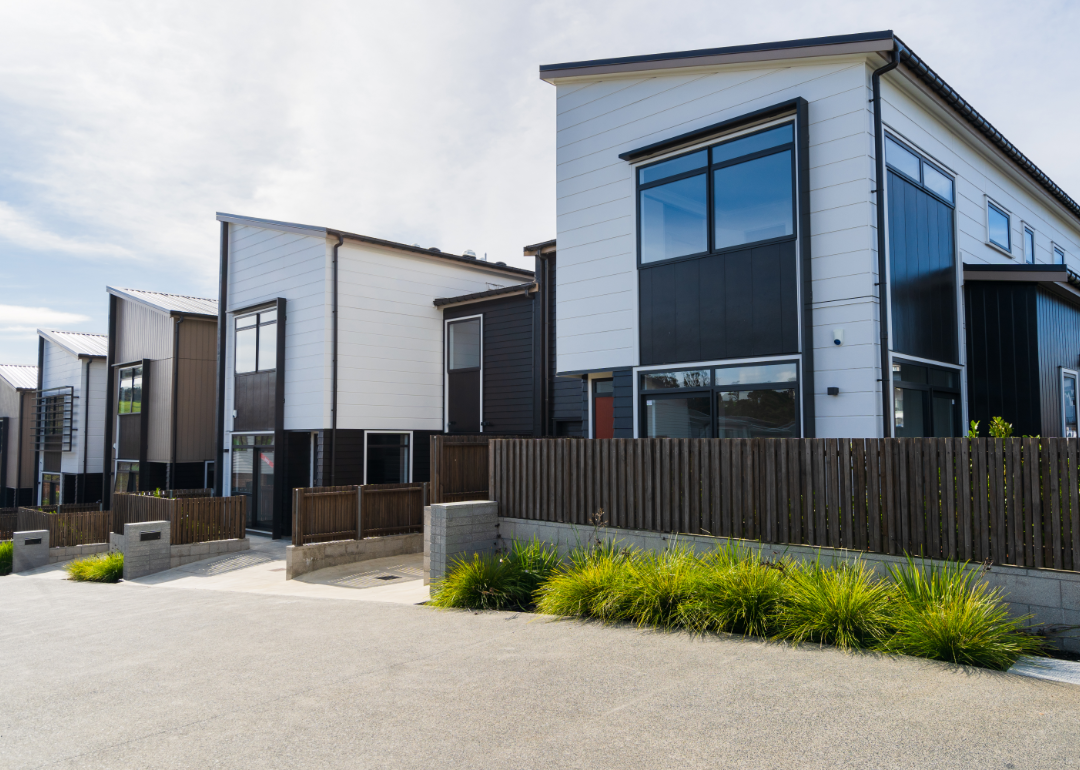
x: 95, y: 425
x: 390, y: 360
x: 265, y: 264
x: 979, y: 173
x: 597, y: 276
x: 59, y: 368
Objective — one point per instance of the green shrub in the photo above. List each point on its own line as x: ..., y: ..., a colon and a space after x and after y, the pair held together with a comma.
x: 536, y: 561
x: 7, y: 553
x: 736, y: 591
x: 591, y: 586
x: 947, y: 613
x: 497, y: 581
x: 103, y: 568
x: 846, y: 605
x: 654, y: 586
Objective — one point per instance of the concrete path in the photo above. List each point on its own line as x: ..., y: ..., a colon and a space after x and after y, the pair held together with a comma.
x: 261, y: 570
x: 108, y: 676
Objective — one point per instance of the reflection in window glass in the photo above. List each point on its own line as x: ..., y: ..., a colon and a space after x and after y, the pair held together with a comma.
x: 909, y: 411
x: 752, y: 201
x: 902, y: 159
x: 757, y: 414
x: 909, y: 373
x: 464, y: 344
x: 678, y: 417
x: 672, y: 167
x: 755, y: 143
x: 604, y: 387
x: 1059, y: 256
x: 246, y: 321
x: 246, y: 350
x: 127, y: 477
x: 267, y: 347
x: 136, y: 390
x: 757, y: 375
x: 1069, y: 397
x: 124, y: 407
x: 1029, y: 245
x: 944, y: 378
x: 673, y: 220
x: 699, y: 378
x: 998, y: 226
x: 946, y: 414
x: 387, y: 458
x: 267, y: 316
x: 937, y: 183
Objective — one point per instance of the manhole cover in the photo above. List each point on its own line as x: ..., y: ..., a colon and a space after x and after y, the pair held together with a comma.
x: 387, y: 577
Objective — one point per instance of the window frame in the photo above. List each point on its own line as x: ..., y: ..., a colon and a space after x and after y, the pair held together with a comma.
x: 707, y: 170
x: 1025, y: 229
x: 958, y: 391
x: 479, y: 319
x: 993, y: 204
x: 1056, y: 249
x: 258, y: 326
x: 923, y: 162
x: 1063, y: 373
x: 409, y: 448
x: 712, y: 390
x: 120, y: 388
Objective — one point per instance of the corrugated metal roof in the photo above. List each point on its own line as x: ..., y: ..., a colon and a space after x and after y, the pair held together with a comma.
x: 479, y: 296
x: 170, y: 303
x: 19, y: 375
x: 79, y: 343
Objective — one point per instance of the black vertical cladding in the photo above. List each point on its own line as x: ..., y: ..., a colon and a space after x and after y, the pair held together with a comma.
x: 923, y: 273
x: 687, y: 306
x: 569, y: 407
x: 421, y: 449
x: 144, y: 430
x: 282, y: 524
x: 1003, y: 354
x: 623, y: 405
x: 1059, y: 347
x: 349, y: 457
x: 110, y: 405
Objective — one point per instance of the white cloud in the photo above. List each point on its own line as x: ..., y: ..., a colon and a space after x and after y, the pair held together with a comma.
x: 17, y: 318
x: 22, y: 230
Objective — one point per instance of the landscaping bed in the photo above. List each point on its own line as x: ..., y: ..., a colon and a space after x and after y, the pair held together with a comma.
x: 104, y: 568
x: 944, y: 612
x: 7, y: 553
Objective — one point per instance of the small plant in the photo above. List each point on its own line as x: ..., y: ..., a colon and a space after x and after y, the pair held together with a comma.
x: 104, y: 568
x: 973, y: 430
x: 738, y: 592
x: 656, y: 585
x: 535, y: 562
x: 590, y: 587
x: 1000, y: 429
x: 7, y: 553
x: 948, y: 613
x: 846, y: 605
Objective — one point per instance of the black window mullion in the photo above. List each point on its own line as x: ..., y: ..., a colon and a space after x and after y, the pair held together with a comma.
x: 753, y: 156
x: 674, y: 178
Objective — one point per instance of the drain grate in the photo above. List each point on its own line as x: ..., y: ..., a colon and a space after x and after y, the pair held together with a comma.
x: 387, y: 577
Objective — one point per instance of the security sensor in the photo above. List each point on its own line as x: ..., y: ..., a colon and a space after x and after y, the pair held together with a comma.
x: 838, y: 337
x: 833, y: 391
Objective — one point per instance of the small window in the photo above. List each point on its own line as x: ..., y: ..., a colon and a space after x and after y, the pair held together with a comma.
x: 130, y: 398
x: 937, y: 183
x: 256, y: 342
x: 1059, y: 255
x: 917, y: 169
x: 997, y: 226
x: 387, y: 458
x: 1029, y: 245
x: 902, y: 159
x: 755, y: 375
x: 673, y: 167
x: 1068, y: 404
x: 464, y: 345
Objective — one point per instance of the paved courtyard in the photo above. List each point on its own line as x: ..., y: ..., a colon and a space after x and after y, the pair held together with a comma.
x: 140, y: 675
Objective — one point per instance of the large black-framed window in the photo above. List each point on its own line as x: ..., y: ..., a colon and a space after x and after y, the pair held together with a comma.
x: 129, y: 399
x: 754, y: 400
x: 926, y: 400
x: 256, y: 342
x: 729, y: 196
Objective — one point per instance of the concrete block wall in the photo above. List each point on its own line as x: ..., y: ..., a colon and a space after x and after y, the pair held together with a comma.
x: 1051, y: 596
x: 145, y: 557
x: 57, y: 555
x: 179, y: 555
x: 301, y: 559
x: 30, y: 550
x: 459, y: 529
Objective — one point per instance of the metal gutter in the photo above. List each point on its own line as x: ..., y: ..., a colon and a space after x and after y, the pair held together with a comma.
x: 223, y: 295
x: 480, y: 296
x: 882, y: 284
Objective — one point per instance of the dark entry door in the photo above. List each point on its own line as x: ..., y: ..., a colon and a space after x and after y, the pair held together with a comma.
x: 463, y: 373
x: 253, y: 476
x: 603, y: 409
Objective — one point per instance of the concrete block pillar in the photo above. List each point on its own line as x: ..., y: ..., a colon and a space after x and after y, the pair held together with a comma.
x: 458, y: 529
x: 147, y: 548
x: 31, y: 550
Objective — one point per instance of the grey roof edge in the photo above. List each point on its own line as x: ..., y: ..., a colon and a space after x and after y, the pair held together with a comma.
x: 16, y: 385
x: 948, y: 94
x: 706, y: 56
x: 539, y: 248
x: 50, y: 334
x: 126, y: 294
x: 480, y: 296
x: 327, y: 231
x: 1037, y: 273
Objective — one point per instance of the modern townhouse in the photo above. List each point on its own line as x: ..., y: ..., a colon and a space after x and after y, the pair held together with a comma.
x: 332, y: 367
x: 18, y: 396
x: 754, y: 240
x: 70, y: 417
x: 160, y: 391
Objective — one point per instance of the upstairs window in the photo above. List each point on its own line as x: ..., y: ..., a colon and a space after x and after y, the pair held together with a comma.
x: 997, y: 226
x: 1029, y: 245
x: 463, y: 345
x: 256, y: 342
x: 918, y: 170
x: 130, y: 400
x: 1059, y: 255
x: 728, y: 196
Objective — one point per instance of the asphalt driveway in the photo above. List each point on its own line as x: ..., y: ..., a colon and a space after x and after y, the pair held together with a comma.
x: 151, y: 676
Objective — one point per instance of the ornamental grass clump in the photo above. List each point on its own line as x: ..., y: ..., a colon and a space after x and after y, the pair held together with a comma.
x: 846, y: 605
x: 591, y: 586
x: 497, y: 581
x: 736, y: 591
x: 104, y: 568
x: 655, y: 586
x: 7, y: 554
x: 947, y: 613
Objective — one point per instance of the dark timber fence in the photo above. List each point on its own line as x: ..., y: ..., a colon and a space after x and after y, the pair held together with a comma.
x: 1007, y: 501
x: 324, y: 514
x: 67, y: 527
x: 459, y: 467
x: 192, y: 519
x: 8, y: 521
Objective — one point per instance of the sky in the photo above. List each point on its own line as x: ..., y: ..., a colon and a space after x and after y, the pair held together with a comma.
x: 125, y: 126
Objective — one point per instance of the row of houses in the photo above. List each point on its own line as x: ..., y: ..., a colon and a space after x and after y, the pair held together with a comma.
x: 805, y: 238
